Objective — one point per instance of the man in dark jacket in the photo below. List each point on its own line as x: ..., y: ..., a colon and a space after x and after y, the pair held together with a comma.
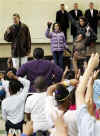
x: 92, y: 17
x: 62, y: 19
x: 18, y: 34
x: 76, y: 14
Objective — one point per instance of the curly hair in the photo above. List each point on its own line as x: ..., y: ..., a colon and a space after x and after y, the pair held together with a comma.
x: 15, y: 86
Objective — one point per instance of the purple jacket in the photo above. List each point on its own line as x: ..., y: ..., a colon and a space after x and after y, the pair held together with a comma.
x: 58, y: 42
x: 35, y: 68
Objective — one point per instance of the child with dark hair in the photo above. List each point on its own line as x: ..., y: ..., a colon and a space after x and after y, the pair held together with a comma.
x: 14, y: 86
x: 59, y: 100
x: 5, y: 79
x: 58, y: 42
x: 70, y: 76
x: 13, y: 106
x: 40, y: 84
x: 61, y: 95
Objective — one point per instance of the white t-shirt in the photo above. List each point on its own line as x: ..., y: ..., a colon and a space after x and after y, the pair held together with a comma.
x: 70, y: 120
x: 13, y: 106
x: 87, y: 125
x: 37, y: 105
x: 69, y: 116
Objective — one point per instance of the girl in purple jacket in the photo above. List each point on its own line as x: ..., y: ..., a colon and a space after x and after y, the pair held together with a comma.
x: 58, y: 42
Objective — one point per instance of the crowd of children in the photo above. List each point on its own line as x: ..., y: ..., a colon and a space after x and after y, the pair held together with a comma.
x: 59, y: 108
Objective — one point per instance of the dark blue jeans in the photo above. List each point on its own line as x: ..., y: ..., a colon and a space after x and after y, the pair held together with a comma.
x: 58, y: 58
x: 2, y: 94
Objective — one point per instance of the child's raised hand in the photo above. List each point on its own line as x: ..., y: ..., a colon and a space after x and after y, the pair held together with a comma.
x: 28, y: 128
x: 95, y: 74
x: 61, y: 127
x: 94, y: 61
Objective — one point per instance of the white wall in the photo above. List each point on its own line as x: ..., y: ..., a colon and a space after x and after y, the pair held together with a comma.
x: 35, y: 13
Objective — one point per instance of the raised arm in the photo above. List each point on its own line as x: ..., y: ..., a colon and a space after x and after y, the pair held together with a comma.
x: 51, y: 90
x: 74, y: 62
x: 23, y: 81
x: 28, y: 129
x: 64, y: 73
x: 60, y: 126
x: 80, y: 92
x: 89, y: 97
x: 66, y: 83
x: 48, y: 34
x: 89, y: 93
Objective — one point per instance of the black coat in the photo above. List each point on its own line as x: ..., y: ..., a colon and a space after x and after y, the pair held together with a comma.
x: 62, y: 19
x: 83, y: 30
x: 92, y: 20
x: 76, y: 18
x: 20, y: 40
